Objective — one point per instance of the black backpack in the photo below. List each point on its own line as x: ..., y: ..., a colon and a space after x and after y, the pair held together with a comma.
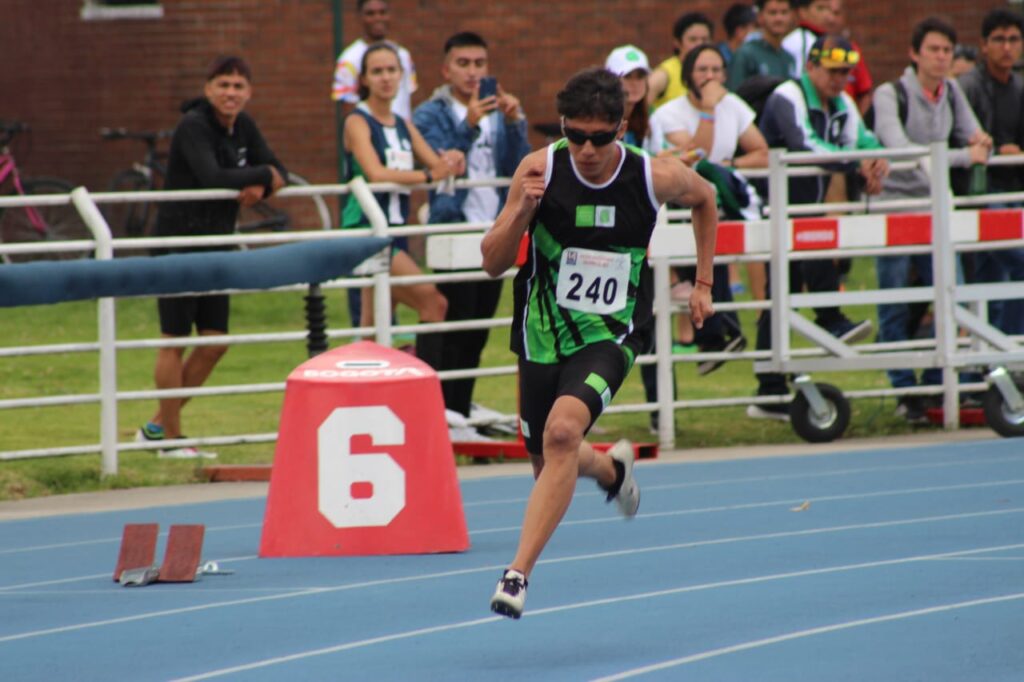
x: 756, y: 90
x: 902, y: 107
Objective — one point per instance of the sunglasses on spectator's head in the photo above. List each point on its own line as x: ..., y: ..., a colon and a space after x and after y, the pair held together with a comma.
x: 832, y: 57
x: 598, y: 139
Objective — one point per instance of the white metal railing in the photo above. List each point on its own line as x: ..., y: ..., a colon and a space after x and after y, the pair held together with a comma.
x: 944, y: 351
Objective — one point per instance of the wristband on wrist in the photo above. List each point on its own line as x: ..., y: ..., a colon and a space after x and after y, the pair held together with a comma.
x: 702, y: 281
x: 430, y: 176
x: 704, y: 116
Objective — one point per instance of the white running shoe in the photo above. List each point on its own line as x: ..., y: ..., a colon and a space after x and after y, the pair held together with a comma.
x: 187, y: 452
x: 628, y: 497
x: 510, y: 594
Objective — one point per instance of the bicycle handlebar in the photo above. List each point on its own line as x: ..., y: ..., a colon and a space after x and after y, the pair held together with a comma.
x: 9, y: 129
x: 149, y: 136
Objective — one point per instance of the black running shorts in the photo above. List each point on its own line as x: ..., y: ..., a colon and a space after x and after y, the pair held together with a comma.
x: 593, y: 375
x: 180, y: 313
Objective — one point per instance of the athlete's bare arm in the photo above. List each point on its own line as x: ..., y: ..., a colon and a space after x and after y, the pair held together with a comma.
x: 675, y: 181
x: 501, y: 244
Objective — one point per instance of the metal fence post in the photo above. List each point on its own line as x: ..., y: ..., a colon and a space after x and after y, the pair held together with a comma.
x: 381, y: 280
x: 107, y: 334
x: 778, y: 200
x: 944, y: 269
x: 664, y: 369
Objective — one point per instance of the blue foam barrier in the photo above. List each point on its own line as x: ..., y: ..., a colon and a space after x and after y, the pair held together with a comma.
x: 42, y: 282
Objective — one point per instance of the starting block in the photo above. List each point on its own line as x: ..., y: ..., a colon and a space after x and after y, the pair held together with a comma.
x: 136, y: 559
x: 138, y: 547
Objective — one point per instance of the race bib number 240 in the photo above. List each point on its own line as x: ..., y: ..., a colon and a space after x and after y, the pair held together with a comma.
x: 593, y: 281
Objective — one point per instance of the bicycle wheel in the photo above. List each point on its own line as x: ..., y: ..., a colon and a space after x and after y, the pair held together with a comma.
x: 132, y: 219
x: 55, y: 223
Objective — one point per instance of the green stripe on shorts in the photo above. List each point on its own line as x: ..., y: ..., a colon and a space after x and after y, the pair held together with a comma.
x: 597, y: 382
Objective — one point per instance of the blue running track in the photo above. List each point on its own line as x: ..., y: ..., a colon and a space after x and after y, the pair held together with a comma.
x: 892, y: 564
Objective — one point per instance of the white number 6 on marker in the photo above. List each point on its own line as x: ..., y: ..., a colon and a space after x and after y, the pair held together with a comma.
x: 339, y: 469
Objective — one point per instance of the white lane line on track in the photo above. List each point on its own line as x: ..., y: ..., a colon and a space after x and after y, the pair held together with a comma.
x: 80, y: 578
x: 771, y: 503
x: 100, y: 541
x: 580, y: 494
x: 810, y: 632
x: 572, y: 607
x: 617, y: 519
x: 498, y: 567
x: 774, y: 477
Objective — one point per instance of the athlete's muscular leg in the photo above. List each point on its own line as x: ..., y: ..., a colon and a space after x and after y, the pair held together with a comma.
x: 566, y: 457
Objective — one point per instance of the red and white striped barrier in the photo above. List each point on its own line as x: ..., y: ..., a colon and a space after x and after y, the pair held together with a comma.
x: 844, y: 232
x: 456, y: 252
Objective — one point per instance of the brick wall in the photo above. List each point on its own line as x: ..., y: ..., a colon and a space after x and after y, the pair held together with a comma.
x: 68, y: 77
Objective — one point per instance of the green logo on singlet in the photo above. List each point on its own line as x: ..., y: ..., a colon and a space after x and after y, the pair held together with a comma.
x: 585, y: 216
x: 595, y: 216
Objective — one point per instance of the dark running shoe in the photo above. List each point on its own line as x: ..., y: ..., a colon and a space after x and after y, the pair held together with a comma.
x: 848, y: 331
x: 775, y: 411
x: 734, y: 345
x: 510, y: 595
x: 912, y: 408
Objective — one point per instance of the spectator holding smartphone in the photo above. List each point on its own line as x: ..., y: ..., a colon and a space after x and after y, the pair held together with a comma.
x: 472, y: 114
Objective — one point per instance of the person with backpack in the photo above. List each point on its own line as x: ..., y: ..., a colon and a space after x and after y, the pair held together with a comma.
x: 923, y: 106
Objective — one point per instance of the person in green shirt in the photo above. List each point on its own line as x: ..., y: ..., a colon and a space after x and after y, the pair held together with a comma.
x: 765, y: 56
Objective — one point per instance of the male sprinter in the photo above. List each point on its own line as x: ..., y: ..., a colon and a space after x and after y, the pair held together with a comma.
x: 583, y: 299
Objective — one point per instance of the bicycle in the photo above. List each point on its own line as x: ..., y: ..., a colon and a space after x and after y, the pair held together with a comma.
x: 135, y: 219
x: 21, y: 224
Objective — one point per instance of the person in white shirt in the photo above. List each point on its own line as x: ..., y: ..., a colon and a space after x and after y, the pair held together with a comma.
x: 376, y: 18
x: 709, y: 117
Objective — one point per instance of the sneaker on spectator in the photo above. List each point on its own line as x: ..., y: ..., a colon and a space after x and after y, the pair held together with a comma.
x: 912, y: 408
x: 848, y: 331
x: 776, y: 411
x: 149, y: 432
x: 510, y: 594
x: 627, y: 493
x: 186, y: 452
x: 733, y: 345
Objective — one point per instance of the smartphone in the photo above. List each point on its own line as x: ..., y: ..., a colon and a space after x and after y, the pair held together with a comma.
x: 488, y: 87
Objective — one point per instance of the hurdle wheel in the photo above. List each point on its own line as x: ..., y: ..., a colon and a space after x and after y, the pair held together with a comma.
x: 1003, y: 420
x: 820, y: 428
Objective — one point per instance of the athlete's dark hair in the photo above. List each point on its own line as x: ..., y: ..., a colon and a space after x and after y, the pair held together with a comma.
x: 361, y: 3
x: 592, y: 93
x: 761, y: 3
x: 931, y: 25
x: 1000, y: 18
x: 737, y: 16
x: 689, y: 19
x: 225, y: 65
x: 364, y: 91
x: 691, y: 61
x: 464, y: 39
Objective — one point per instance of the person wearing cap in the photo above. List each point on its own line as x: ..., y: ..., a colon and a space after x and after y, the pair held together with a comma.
x: 765, y: 56
x: 630, y: 64
x: 815, y: 114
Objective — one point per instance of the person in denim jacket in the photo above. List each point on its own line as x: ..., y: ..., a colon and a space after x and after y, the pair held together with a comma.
x: 490, y: 129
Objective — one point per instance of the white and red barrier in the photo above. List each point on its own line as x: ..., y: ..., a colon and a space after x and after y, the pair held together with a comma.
x: 844, y: 232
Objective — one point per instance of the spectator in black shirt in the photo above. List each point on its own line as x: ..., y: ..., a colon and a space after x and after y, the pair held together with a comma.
x: 996, y: 94
x: 215, y: 145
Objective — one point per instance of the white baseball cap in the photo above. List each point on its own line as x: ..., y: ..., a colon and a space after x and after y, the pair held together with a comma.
x: 626, y: 59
